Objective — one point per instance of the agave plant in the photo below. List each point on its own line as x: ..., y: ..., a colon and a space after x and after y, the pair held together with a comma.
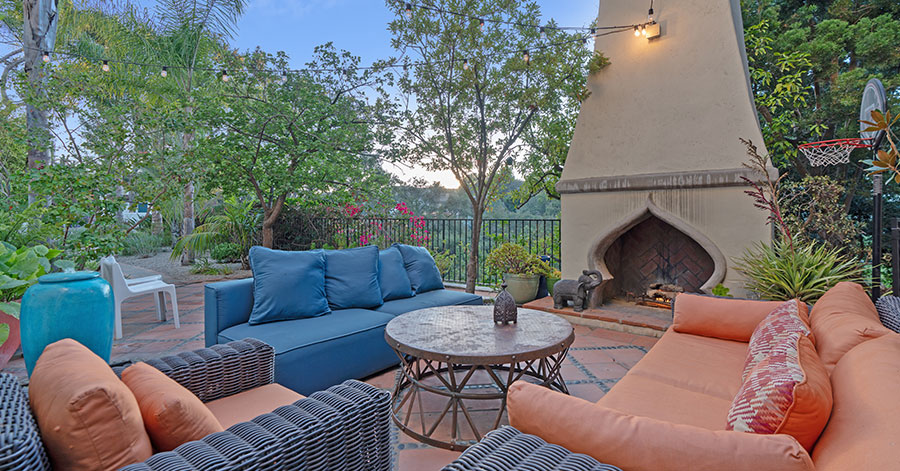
x: 237, y: 223
x: 806, y: 271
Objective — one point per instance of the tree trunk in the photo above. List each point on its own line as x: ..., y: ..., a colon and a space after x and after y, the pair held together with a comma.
x: 187, y: 220
x: 270, y: 217
x: 39, y: 36
x: 156, y: 222
x: 472, y: 263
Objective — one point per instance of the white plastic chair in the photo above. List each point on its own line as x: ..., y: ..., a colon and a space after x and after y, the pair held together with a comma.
x: 124, y: 288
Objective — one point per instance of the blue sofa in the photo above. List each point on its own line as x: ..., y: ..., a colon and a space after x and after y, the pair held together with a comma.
x: 315, y: 352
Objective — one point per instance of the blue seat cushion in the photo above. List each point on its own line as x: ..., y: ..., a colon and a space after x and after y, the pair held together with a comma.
x: 298, y: 333
x: 392, y: 273
x: 351, y: 278
x: 316, y: 353
x: 438, y: 297
x: 423, y: 272
x: 287, y: 285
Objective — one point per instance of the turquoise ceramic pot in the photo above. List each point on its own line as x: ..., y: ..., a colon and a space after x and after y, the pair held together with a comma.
x: 75, y: 305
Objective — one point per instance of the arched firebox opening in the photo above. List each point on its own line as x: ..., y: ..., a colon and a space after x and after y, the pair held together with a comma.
x: 652, y: 249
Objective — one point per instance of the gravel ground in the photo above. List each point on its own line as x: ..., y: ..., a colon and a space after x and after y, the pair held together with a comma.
x: 172, y: 271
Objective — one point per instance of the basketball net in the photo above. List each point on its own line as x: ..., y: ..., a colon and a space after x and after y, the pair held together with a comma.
x: 832, y: 152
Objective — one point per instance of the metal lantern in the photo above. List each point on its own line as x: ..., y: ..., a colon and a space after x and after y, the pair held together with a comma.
x: 505, y: 307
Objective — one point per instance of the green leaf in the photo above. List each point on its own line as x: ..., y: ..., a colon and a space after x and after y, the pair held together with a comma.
x: 11, y: 309
x: 4, y: 333
x: 64, y: 265
x: 40, y: 250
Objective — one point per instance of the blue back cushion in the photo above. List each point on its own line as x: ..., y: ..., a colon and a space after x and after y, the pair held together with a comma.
x: 394, y: 280
x: 287, y: 285
x: 351, y: 278
x: 423, y: 273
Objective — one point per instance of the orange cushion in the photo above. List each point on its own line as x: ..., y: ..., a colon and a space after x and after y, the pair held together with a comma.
x: 89, y: 420
x: 843, y: 318
x: 768, y: 335
x: 246, y: 405
x: 865, y: 423
x: 724, y: 318
x: 787, y: 392
x: 685, y: 379
x: 645, y: 444
x: 172, y: 414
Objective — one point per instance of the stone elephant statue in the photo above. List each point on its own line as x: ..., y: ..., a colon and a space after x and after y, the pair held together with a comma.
x: 578, y: 291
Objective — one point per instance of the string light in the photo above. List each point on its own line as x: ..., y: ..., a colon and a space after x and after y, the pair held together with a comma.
x: 283, y: 76
x: 225, y: 76
x: 46, y: 57
x: 593, y: 31
x: 105, y: 66
x: 481, y: 24
x: 644, y: 30
x: 409, y: 10
x: 164, y: 72
x: 526, y: 56
x: 543, y: 33
x: 637, y: 31
x: 465, y: 64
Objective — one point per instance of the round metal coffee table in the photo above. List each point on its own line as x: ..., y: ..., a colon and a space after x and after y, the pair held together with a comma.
x: 454, y: 357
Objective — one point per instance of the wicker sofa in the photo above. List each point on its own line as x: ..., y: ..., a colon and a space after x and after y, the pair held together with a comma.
x: 346, y: 426
x: 669, y: 411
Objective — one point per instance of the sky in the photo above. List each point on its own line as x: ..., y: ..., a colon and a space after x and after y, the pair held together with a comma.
x: 359, y: 26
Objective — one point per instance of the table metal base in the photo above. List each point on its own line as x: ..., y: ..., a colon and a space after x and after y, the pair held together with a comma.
x: 410, y: 388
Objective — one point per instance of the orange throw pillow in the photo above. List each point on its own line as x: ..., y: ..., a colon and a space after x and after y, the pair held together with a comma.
x: 722, y: 318
x: 843, y: 318
x: 172, y: 414
x: 89, y: 420
x: 787, y: 392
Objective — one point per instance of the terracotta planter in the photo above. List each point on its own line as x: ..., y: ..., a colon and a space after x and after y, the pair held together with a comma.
x: 523, y: 288
x: 8, y: 349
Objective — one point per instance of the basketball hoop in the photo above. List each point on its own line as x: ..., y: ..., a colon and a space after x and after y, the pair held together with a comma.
x: 832, y: 152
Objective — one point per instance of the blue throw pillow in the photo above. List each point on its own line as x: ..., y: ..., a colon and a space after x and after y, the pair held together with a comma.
x: 287, y: 285
x: 351, y: 278
x: 394, y: 280
x: 423, y: 273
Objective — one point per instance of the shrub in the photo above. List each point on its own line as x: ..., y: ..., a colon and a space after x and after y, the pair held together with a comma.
x: 144, y: 244
x: 444, y: 261
x: 515, y: 259
x: 804, y: 271
x: 202, y: 266
x: 226, y: 252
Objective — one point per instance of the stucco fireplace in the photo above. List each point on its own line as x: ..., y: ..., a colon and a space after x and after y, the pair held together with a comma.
x: 652, y: 190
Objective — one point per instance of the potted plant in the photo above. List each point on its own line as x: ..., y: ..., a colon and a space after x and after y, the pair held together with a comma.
x: 521, y: 270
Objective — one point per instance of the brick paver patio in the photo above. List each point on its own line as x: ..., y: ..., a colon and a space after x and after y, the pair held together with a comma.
x: 597, y: 359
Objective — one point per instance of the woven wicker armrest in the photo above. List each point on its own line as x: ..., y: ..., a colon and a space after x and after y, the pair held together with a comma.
x: 507, y: 449
x: 347, y: 427
x: 20, y: 440
x: 221, y: 370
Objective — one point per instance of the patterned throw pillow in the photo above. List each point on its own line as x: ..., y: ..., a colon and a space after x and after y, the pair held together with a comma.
x: 788, y: 391
x: 889, y: 312
x: 767, y: 338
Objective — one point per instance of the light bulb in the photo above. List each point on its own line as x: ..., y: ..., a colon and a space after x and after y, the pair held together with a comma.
x: 465, y: 64
x: 481, y: 24
x: 46, y: 57
x: 408, y: 10
x: 164, y: 72
x: 594, y: 32
x: 637, y: 31
x: 644, y: 30
x: 105, y: 66
x: 284, y: 76
x: 543, y: 33
x: 526, y: 56
x: 650, y: 16
x: 225, y: 76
